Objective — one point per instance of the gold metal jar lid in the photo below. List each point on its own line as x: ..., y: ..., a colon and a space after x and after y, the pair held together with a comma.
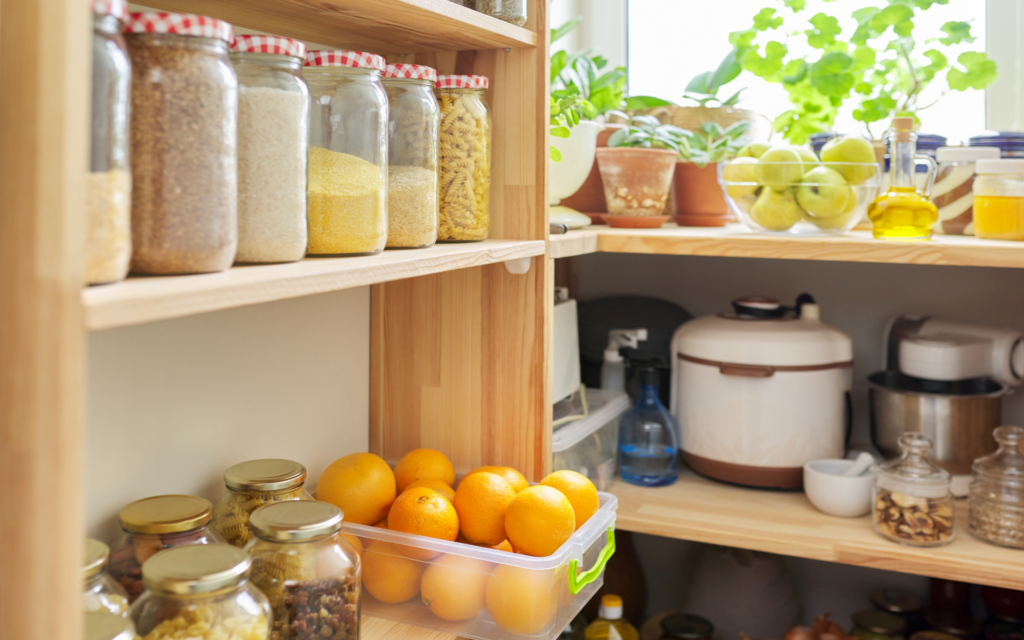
x: 103, y: 625
x: 195, y: 568
x: 265, y: 475
x: 166, y: 514
x: 96, y: 554
x: 296, y: 520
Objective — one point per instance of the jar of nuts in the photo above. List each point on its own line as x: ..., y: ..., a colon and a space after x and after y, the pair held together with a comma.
x: 912, y: 498
x: 251, y: 485
x: 996, y: 501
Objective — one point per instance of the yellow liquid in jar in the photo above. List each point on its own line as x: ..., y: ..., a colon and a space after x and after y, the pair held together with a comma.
x: 902, y: 214
x: 999, y: 217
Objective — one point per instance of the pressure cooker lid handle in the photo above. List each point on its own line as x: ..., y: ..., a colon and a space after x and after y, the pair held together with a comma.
x: 758, y: 307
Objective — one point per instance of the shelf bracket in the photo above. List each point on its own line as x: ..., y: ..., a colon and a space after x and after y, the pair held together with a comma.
x: 518, y: 267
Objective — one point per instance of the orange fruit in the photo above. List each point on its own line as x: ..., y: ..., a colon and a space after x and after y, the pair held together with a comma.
x: 388, y: 575
x: 504, y: 545
x: 423, y: 512
x: 453, y: 587
x: 356, y: 543
x: 435, y: 484
x: 521, y: 600
x: 539, y: 520
x: 361, y: 485
x: 579, y: 489
x: 423, y: 464
x: 513, y: 477
x: 383, y: 524
x: 481, y: 502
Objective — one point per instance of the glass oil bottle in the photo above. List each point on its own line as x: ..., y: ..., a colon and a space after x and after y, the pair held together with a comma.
x: 902, y: 213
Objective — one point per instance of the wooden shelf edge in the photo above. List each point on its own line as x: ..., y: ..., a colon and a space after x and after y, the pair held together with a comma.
x: 147, y: 299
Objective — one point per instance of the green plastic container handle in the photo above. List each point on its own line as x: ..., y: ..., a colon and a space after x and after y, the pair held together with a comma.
x: 577, y: 580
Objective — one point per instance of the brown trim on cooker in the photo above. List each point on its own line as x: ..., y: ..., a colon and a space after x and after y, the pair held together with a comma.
x: 750, y: 476
x: 733, y: 368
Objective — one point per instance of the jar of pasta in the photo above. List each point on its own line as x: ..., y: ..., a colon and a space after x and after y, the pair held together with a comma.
x: 348, y: 151
x: 201, y: 592
x: 465, y: 158
x: 999, y: 200
x: 103, y: 625
x: 153, y: 524
x: 413, y: 121
x: 101, y: 592
x: 307, y: 570
x: 251, y: 485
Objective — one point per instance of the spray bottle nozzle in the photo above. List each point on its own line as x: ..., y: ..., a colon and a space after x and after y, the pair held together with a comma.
x: 620, y: 339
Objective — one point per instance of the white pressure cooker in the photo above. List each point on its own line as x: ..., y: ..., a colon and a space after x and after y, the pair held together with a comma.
x: 761, y: 390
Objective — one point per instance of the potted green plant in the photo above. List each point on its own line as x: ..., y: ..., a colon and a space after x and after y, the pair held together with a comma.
x: 572, y: 145
x: 696, y: 195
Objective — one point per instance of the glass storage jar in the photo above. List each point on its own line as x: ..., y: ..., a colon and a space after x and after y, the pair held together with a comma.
x: 912, y: 500
x: 511, y: 11
x: 999, y: 200
x: 201, y: 592
x: 307, y: 570
x: 877, y: 625
x: 413, y: 124
x: 953, y: 187
x: 184, y: 146
x: 273, y: 148
x: 103, y: 625
x: 465, y: 158
x: 153, y: 524
x: 108, y: 187
x: 348, y: 153
x: 251, y: 485
x: 996, y: 500
x: 101, y: 592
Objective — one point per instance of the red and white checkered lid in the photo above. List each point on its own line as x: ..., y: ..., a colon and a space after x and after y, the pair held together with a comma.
x: 269, y: 44
x: 182, y: 24
x: 357, y: 59
x: 411, y: 72
x: 462, y: 82
x: 116, y: 8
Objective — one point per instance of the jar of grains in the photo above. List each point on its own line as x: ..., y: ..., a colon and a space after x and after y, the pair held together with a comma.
x: 999, y: 199
x: 912, y: 500
x: 153, y: 524
x: 465, y: 158
x: 102, y: 625
x: 307, y: 570
x: 273, y: 145
x: 348, y: 151
x: 512, y: 11
x: 108, y: 187
x: 413, y: 121
x: 997, y: 492
x: 201, y: 592
x: 184, y: 151
x: 101, y: 592
x: 251, y: 485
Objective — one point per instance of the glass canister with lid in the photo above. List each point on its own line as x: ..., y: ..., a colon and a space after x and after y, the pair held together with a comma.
x: 996, y: 500
x: 273, y: 139
x: 465, y: 159
x: 101, y: 592
x: 511, y: 11
x: 201, y: 592
x: 999, y: 199
x: 103, y: 625
x: 952, y: 194
x: 153, y: 524
x: 878, y: 625
x: 413, y: 123
x: 251, y: 485
x: 913, y: 503
x: 348, y: 153
x: 309, y: 572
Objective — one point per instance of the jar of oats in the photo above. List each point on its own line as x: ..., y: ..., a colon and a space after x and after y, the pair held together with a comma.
x: 413, y: 122
x: 184, y: 150
x: 913, y: 503
x: 465, y: 158
x: 996, y: 500
x: 251, y: 485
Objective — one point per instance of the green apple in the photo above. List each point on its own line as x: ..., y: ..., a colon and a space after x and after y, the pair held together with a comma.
x: 740, y: 170
x: 776, y: 210
x: 807, y: 156
x: 841, y: 220
x: 850, y: 149
x: 753, y: 150
x: 779, y: 168
x: 823, y: 192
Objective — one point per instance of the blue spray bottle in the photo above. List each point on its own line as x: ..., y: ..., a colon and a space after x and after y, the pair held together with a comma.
x: 648, y: 437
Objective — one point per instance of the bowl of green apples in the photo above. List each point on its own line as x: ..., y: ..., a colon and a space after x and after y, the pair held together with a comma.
x: 788, y: 190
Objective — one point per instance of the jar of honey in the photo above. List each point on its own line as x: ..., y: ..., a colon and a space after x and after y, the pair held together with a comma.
x: 999, y: 200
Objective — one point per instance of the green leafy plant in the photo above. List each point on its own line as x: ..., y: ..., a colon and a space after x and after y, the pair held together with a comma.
x: 565, y: 114
x: 646, y: 132
x: 703, y: 88
x: 712, y: 143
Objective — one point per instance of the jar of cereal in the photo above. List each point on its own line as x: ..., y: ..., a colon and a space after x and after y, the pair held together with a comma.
x: 101, y: 592
x: 251, y: 485
x: 465, y: 158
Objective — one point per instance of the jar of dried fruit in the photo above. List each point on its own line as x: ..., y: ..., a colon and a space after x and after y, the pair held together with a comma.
x: 912, y: 497
x: 153, y: 524
x: 101, y: 592
x: 251, y: 485
x: 465, y: 158
x: 201, y: 592
x: 307, y: 569
x: 348, y: 153
x: 997, y: 492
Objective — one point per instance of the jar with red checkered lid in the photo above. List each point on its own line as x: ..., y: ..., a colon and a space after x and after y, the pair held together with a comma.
x: 465, y: 159
x: 348, y: 153
x: 414, y: 120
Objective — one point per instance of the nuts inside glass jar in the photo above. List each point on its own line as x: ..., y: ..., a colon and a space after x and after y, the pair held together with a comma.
x: 913, y: 519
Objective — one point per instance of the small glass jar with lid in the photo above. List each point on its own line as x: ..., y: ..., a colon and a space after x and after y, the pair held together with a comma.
x: 878, y: 625
x: 465, y: 159
x: 996, y: 500
x: 902, y: 603
x: 103, y: 625
x: 913, y: 503
x: 348, y: 154
x: 999, y: 200
x: 511, y: 11
x: 307, y: 569
x: 413, y: 124
x: 153, y: 524
x: 101, y: 592
x: 201, y: 592
x: 954, y: 182
x: 251, y: 485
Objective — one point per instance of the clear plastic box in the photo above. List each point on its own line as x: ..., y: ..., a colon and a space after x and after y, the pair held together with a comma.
x: 588, y: 444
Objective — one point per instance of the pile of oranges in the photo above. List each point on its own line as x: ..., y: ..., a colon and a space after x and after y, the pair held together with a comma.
x: 493, y: 507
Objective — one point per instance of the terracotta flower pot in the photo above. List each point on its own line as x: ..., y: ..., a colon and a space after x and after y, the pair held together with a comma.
x: 589, y: 198
x: 697, y: 197
x: 636, y: 181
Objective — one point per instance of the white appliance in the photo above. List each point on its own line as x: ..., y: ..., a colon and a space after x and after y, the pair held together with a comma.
x: 566, y: 347
x: 760, y: 391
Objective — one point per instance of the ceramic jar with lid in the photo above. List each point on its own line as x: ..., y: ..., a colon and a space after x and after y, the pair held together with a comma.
x: 996, y: 500
x: 684, y: 626
x: 878, y: 625
x: 913, y: 501
x: 952, y: 194
x: 101, y: 592
x: 250, y: 485
x: 103, y: 625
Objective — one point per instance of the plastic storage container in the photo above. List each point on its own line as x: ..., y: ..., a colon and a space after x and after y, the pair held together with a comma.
x: 511, y: 11
x: 273, y: 148
x: 102, y: 625
x: 348, y: 153
x: 184, y: 145
x: 499, y: 594
x: 251, y: 485
x: 952, y: 193
x: 101, y: 592
x: 108, y: 187
x: 999, y: 200
x: 997, y: 492
x: 465, y: 159
x: 912, y: 500
x: 588, y: 444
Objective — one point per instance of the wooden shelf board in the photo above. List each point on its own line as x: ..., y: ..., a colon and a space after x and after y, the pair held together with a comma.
x: 574, y: 243
x: 371, y: 628
x: 145, y: 299
x: 380, y: 26
x: 701, y: 510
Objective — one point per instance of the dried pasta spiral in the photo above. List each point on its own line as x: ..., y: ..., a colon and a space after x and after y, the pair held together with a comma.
x: 272, y: 570
x: 465, y: 153
x: 231, y: 513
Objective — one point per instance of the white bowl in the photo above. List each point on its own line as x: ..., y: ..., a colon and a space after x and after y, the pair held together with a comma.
x: 835, y: 495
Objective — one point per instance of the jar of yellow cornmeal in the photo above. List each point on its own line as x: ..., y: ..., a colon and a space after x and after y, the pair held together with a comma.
x: 999, y: 200
x: 348, y: 151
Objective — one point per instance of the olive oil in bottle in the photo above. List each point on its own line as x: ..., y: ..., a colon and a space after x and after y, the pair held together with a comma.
x: 902, y: 213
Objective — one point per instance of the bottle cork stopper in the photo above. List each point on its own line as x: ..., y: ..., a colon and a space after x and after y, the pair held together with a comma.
x: 903, y: 126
